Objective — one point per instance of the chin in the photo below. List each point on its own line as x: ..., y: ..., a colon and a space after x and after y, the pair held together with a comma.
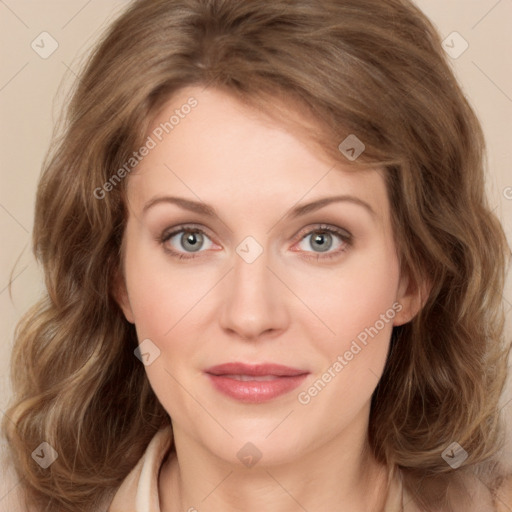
x: 251, y: 447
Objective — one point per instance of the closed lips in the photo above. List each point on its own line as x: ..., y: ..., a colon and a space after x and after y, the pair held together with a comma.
x: 254, y: 383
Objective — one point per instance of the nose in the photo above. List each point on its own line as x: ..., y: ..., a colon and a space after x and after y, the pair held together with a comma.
x: 255, y: 300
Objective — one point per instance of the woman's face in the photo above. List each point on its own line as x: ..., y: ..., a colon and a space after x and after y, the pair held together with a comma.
x: 225, y: 265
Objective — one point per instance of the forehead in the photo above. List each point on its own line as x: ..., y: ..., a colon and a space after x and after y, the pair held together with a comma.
x: 221, y: 148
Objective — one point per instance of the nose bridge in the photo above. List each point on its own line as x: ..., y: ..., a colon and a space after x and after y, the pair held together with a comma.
x: 254, y: 303
x: 250, y: 271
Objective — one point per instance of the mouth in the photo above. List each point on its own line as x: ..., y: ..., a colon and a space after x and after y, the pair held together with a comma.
x: 255, y: 383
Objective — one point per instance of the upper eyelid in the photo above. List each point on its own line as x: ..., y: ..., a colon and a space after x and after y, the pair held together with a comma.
x: 323, y: 226
x: 167, y: 233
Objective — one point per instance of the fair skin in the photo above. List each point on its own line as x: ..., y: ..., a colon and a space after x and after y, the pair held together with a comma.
x: 292, y: 306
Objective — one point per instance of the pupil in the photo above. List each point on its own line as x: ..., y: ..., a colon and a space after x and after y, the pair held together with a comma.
x: 191, y: 238
x: 320, y: 238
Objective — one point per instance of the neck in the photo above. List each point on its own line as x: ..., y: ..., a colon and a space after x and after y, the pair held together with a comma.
x: 339, y: 475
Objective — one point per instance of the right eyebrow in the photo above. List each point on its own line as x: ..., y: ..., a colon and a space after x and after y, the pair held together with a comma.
x: 186, y: 204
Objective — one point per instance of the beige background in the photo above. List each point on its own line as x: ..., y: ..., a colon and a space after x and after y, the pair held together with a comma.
x: 32, y: 90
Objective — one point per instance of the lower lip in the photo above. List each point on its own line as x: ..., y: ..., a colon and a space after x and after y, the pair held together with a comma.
x: 256, y: 391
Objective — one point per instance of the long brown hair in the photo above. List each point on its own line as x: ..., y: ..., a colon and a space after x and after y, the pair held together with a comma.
x: 373, y: 68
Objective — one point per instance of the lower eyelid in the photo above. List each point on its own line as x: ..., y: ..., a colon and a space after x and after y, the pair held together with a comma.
x: 344, y: 238
x: 166, y: 237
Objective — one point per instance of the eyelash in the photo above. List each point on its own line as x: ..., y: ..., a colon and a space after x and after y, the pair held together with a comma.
x: 344, y: 235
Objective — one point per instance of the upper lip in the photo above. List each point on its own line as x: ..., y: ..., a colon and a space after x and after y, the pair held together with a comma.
x: 256, y: 370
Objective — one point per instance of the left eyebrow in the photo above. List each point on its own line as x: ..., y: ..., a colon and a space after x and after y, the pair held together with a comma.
x: 324, y: 201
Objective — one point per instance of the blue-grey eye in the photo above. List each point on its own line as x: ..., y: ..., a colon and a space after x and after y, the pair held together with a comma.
x: 187, y: 240
x: 322, y: 240
x: 191, y: 241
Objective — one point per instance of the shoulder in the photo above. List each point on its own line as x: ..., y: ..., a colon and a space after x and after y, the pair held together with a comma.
x: 503, y: 495
x: 472, y: 494
x: 483, y: 495
x: 11, y: 489
x: 141, y: 484
x: 11, y: 498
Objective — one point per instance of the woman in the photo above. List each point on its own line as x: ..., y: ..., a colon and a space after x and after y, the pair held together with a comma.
x: 193, y: 352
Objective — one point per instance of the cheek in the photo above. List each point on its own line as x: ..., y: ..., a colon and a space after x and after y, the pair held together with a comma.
x: 160, y: 293
x: 359, y: 309
x: 162, y: 300
x: 353, y: 298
